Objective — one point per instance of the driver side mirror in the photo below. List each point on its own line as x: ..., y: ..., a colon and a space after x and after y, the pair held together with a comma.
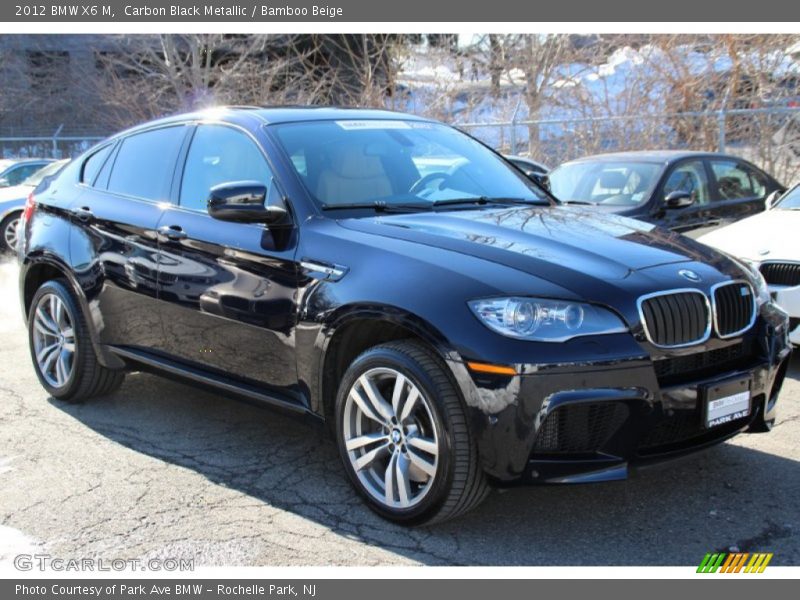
x: 678, y: 199
x: 4, y: 182
x: 772, y: 199
x: 244, y: 202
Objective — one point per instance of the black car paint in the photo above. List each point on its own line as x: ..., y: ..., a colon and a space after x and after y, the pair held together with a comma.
x: 694, y: 219
x: 258, y: 310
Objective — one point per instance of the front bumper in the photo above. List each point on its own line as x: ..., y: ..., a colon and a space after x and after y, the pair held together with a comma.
x: 593, y: 421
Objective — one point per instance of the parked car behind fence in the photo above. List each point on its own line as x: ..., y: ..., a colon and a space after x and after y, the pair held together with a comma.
x: 687, y: 192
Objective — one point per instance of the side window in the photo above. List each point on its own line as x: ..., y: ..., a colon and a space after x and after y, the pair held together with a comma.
x: 94, y: 163
x: 145, y: 163
x: 219, y: 154
x: 689, y: 177
x: 757, y: 180
x: 101, y: 181
x: 21, y: 173
x: 733, y: 180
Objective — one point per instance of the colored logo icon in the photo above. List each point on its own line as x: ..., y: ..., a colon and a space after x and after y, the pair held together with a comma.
x: 735, y: 562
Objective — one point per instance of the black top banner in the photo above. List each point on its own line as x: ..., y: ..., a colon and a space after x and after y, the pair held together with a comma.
x: 452, y: 11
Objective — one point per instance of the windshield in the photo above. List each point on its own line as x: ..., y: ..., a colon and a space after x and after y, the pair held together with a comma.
x: 790, y: 200
x: 604, y: 182
x: 47, y: 171
x: 397, y: 163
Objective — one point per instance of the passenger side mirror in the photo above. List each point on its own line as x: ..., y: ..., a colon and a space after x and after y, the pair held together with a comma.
x: 772, y: 199
x: 678, y: 199
x: 541, y: 178
x: 243, y: 202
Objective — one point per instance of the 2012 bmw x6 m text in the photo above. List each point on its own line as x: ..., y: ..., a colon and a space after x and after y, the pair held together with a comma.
x: 455, y: 325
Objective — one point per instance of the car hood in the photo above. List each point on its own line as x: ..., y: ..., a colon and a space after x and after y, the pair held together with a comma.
x: 768, y: 235
x: 546, y: 242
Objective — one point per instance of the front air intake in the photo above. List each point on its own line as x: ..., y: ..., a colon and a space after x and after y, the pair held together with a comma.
x: 579, y: 428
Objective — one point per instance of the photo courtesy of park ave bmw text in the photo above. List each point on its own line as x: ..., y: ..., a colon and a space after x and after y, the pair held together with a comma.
x: 313, y: 300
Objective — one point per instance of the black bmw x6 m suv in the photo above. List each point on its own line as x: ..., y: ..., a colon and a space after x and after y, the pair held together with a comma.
x: 456, y: 326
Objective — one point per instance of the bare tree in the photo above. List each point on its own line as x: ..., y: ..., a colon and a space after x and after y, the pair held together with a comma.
x: 155, y: 75
x: 150, y: 76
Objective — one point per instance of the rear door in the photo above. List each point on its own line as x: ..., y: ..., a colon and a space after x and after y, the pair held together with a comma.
x: 228, y: 290
x: 739, y: 190
x: 125, y: 188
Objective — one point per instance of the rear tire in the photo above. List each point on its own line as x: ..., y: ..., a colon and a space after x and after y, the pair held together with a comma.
x: 61, y: 349
x: 403, y: 437
x: 9, y: 232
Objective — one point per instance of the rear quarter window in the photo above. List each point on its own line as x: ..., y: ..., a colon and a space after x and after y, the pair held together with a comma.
x: 93, y: 164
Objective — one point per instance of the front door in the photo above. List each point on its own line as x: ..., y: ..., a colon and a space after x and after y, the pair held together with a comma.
x: 691, y: 177
x: 227, y: 290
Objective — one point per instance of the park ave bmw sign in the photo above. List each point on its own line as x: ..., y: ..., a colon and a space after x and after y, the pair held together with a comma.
x: 251, y: 12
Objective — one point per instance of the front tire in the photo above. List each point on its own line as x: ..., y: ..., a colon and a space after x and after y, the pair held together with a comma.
x: 403, y: 437
x: 61, y: 349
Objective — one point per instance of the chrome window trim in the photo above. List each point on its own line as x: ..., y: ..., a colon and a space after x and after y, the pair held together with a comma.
x: 706, y: 334
x: 753, y: 316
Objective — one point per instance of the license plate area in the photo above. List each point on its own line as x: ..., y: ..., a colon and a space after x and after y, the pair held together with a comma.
x: 726, y: 401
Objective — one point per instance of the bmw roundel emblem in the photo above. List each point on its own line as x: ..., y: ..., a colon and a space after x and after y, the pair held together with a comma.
x: 690, y: 275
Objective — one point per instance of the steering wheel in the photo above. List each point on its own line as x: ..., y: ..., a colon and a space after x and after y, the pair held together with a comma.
x: 423, y: 182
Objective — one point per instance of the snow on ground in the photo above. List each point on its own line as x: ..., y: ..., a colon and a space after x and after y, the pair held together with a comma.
x: 13, y: 542
x: 440, y: 84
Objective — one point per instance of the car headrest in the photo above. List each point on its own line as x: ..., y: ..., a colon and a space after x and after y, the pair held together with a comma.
x: 612, y: 180
x: 352, y: 163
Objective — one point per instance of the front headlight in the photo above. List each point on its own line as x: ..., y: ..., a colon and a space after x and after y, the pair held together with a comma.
x: 543, y: 320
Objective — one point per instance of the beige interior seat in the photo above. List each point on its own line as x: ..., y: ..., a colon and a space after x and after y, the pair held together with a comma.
x: 353, y: 177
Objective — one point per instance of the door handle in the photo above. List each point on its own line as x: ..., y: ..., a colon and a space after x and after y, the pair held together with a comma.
x: 84, y: 213
x: 171, y: 233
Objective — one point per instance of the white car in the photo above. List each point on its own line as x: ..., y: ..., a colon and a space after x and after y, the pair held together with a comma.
x: 770, y: 241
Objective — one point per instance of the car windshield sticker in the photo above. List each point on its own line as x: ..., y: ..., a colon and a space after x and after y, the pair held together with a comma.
x: 373, y: 124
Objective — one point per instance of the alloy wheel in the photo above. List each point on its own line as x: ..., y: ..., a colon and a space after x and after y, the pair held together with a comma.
x: 10, y: 234
x: 390, y: 437
x: 53, y: 340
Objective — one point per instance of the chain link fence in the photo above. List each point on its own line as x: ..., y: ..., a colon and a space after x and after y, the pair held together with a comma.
x: 41, y: 145
x: 768, y: 137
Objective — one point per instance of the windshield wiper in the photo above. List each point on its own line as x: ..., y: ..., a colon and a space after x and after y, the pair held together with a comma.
x: 482, y: 200
x: 390, y: 207
x: 582, y: 202
x: 378, y: 206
